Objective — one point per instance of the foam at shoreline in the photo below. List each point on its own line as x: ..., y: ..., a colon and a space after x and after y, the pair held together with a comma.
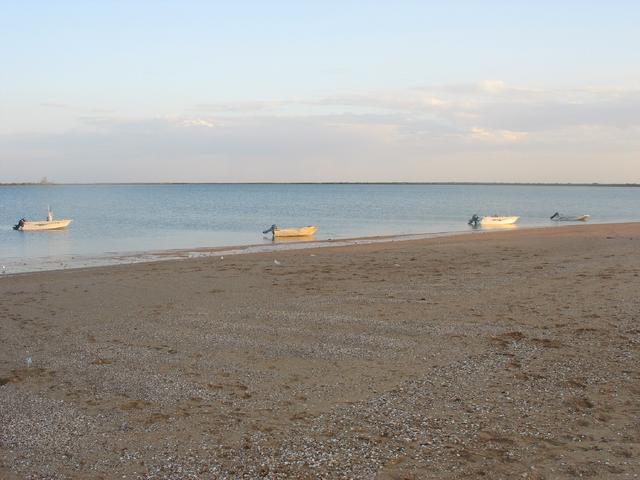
x: 42, y: 264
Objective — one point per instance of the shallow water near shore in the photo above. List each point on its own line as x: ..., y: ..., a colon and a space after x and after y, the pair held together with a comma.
x: 124, y: 223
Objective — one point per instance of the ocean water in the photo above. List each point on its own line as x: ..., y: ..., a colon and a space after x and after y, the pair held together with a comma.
x: 109, y: 220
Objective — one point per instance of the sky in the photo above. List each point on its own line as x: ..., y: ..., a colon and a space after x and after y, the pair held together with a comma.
x: 286, y: 91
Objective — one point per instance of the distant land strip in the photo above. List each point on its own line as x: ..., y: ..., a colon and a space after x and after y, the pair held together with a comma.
x: 530, y: 184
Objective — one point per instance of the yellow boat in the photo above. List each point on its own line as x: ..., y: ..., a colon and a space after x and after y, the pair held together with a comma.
x: 292, y: 232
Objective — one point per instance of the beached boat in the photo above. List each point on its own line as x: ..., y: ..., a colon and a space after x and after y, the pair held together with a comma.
x: 492, y: 221
x: 558, y: 217
x: 48, y: 224
x: 291, y: 232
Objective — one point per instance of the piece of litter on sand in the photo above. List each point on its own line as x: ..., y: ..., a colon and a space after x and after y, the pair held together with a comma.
x: 396, y: 264
x: 29, y: 361
x: 222, y: 258
x: 312, y: 255
x: 277, y: 262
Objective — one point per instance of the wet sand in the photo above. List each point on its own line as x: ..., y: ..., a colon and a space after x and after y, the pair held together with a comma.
x: 504, y: 355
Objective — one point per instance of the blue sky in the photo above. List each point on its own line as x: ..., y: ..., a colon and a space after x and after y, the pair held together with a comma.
x: 304, y: 91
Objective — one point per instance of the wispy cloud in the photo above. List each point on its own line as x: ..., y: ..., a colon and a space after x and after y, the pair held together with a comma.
x: 198, y: 122
x: 484, y: 135
x: 490, y: 104
x: 481, y: 131
x: 75, y: 108
x: 239, y: 107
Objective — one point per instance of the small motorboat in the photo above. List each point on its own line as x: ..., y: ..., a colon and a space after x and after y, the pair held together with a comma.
x: 492, y: 220
x: 558, y: 217
x: 48, y: 224
x: 291, y: 232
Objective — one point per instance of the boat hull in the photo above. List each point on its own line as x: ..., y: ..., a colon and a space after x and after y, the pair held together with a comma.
x: 45, y: 225
x: 295, y: 232
x: 579, y: 218
x: 496, y: 220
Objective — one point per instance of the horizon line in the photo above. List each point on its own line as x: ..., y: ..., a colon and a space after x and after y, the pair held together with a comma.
x: 542, y: 184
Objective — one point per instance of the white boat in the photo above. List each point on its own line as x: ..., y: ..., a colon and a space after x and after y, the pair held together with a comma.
x: 36, y: 225
x: 558, y: 217
x: 492, y: 220
x: 292, y: 232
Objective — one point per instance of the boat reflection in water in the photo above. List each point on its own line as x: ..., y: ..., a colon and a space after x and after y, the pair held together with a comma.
x: 496, y: 226
x: 311, y: 238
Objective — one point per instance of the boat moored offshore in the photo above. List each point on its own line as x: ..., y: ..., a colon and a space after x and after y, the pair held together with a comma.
x: 492, y: 220
x: 36, y: 225
x: 291, y: 232
x: 558, y: 217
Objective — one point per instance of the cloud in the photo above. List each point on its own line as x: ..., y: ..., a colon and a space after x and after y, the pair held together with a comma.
x: 480, y: 131
x: 62, y: 106
x: 493, y: 86
x: 498, y: 136
x: 198, y: 122
x: 75, y: 108
x: 409, y: 100
x: 239, y: 107
x: 552, y: 113
x: 489, y: 104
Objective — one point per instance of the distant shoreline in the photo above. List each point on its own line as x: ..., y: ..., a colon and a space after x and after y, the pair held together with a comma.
x: 515, y: 184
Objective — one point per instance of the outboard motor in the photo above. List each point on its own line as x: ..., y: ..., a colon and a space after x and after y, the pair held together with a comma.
x: 20, y: 224
x: 474, y: 221
x: 271, y: 230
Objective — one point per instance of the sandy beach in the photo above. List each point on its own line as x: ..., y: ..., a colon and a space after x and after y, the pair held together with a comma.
x: 504, y: 355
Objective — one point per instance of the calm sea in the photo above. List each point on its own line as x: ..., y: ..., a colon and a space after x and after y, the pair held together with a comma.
x: 112, y: 219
